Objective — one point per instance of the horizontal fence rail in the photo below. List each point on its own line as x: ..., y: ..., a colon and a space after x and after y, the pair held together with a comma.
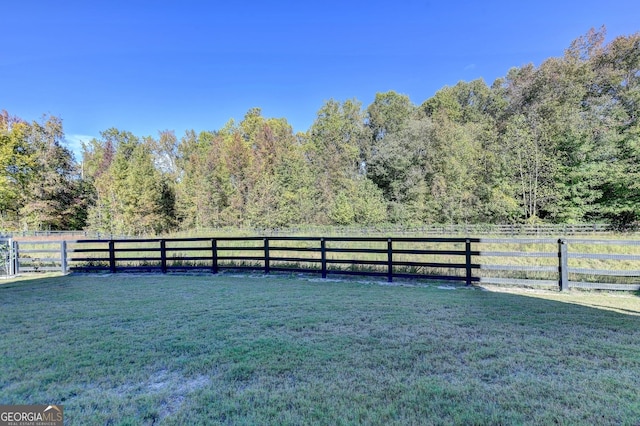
x: 603, y: 264
x: 527, y: 262
x: 40, y: 256
x: 531, y: 262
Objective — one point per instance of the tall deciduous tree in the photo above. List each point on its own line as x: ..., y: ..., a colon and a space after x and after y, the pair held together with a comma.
x: 403, y: 167
x: 40, y: 187
x: 203, y: 190
x: 618, y: 88
x: 338, y: 144
x: 16, y: 167
x: 132, y: 196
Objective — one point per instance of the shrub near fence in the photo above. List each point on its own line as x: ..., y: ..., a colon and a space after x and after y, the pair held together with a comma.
x: 532, y: 262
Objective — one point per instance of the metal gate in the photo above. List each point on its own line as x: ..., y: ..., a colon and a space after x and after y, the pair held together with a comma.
x: 7, y: 258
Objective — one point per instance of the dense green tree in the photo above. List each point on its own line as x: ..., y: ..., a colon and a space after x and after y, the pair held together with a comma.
x: 338, y: 143
x: 538, y: 119
x: 336, y: 138
x: 617, y: 89
x: 254, y: 173
x: 388, y: 114
x: 283, y: 184
x: 40, y: 186
x: 470, y: 179
x: 402, y: 168
x: 58, y: 198
x: 16, y: 166
x: 203, y: 189
x: 455, y: 172
x: 132, y: 196
x: 565, y: 127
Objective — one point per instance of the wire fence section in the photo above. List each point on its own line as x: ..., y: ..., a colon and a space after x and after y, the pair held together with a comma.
x: 531, y: 262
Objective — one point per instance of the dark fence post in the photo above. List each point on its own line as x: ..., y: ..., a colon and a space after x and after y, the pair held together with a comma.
x: 323, y: 257
x: 63, y: 257
x: 563, y: 264
x: 112, y: 256
x: 266, y: 255
x: 214, y: 256
x: 163, y: 256
x: 467, y: 251
x: 389, y: 260
x: 16, y: 258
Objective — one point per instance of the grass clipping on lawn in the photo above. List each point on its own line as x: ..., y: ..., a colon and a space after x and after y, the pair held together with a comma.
x: 120, y: 349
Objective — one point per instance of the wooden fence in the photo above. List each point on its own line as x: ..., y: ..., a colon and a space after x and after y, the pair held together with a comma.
x: 533, y: 262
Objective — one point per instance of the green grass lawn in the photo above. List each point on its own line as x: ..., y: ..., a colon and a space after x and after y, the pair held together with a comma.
x: 136, y: 349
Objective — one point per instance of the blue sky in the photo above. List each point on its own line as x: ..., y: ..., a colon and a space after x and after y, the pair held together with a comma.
x: 146, y: 66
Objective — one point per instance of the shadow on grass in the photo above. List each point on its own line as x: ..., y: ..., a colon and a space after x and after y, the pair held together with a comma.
x: 618, y: 301
x: 620, y: 310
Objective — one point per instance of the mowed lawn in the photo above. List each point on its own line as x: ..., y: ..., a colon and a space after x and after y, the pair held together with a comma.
x: 227, y: 349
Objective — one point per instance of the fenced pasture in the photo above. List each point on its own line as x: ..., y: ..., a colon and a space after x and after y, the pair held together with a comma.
x: 274, y: 349
x: 531, y: 262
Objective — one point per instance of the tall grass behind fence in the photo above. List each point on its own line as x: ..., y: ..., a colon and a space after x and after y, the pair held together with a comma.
x: 398, y: 230
x: 530, y: 262
x: 59, y: 235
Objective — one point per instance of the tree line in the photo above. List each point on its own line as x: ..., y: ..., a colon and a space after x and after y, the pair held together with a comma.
x: 558, y: 143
